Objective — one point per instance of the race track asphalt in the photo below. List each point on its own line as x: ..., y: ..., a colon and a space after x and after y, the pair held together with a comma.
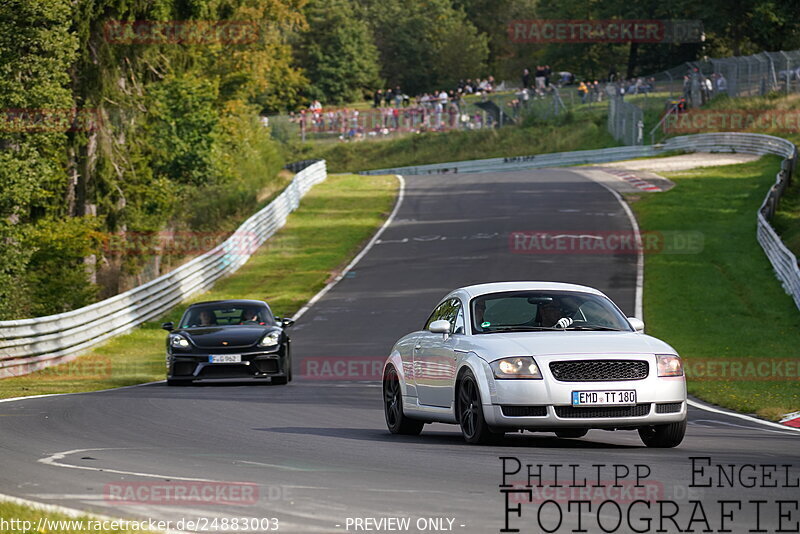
x: 317, y: 452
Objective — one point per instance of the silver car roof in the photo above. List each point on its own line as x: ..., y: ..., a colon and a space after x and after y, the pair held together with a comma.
x: 495, y: 287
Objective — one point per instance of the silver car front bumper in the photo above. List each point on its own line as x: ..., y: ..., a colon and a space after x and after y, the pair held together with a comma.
x: 659, y: 400
x: 496, y: 418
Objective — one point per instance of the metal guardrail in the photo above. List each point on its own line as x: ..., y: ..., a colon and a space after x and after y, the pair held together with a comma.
x: 516, y: 163
x: 28, y: 345
x: 783, y: 260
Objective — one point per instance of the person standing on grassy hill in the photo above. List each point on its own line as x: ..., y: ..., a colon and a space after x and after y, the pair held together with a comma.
x: 583, y: 91
x: 526, y: 78
x: 722, y: 83
x: 539, y: 78
x: 598, y: 91
x: 377, y: 98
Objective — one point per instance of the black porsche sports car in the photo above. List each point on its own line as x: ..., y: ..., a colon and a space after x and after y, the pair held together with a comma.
x: 228, y: 339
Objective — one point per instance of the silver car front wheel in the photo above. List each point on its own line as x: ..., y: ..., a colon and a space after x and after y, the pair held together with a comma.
x: 470, y: 413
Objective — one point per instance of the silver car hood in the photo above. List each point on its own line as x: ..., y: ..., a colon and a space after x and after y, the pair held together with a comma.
x: 501, y: 345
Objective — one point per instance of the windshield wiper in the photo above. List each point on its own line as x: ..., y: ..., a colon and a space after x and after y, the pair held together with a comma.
x: 593, y: 327
x: 521, y: 329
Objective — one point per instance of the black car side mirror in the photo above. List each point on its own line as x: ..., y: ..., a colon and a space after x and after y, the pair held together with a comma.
x: 169, y: 327
x: 286, y: 323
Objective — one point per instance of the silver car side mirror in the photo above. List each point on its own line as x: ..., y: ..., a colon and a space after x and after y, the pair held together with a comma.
x: 442, y: 326
x: 637, y: 324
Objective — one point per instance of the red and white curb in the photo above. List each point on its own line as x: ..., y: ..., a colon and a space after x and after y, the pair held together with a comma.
x: 791, y: 419
x: 634, y: 180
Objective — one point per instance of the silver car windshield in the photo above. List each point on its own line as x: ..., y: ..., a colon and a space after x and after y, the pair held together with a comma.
x: 544, y: 310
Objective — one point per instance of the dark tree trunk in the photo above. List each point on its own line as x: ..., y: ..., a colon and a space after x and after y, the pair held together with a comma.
x: 633, y: 57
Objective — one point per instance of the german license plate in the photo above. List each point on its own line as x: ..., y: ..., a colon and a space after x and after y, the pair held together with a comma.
x: 225, y: 358
x: 626, y: 397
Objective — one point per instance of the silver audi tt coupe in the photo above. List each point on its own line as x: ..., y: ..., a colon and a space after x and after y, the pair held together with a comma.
x: 537, y: 356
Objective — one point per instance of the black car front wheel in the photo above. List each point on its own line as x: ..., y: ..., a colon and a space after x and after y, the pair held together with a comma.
x: 396, y: 420
x: 178, y: 382
x: 283, y: 380
x: 663, y: 436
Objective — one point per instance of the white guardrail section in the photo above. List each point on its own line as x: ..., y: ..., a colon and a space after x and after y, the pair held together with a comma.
x: 31, y: 344
x: 783, y: 260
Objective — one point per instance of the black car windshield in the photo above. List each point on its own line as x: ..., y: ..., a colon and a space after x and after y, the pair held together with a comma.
x: 226, y: 315
x: 521, y: 311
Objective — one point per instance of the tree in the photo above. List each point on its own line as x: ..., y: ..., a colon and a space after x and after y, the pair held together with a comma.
x: 337, y: 52
x: 36, y: 51
x: 740, y: 27
x: 630, y: 59
x: 491, y: 18
x: 426, y: 44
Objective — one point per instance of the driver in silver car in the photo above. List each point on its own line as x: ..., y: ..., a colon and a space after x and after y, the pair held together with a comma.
x: 552, y: 315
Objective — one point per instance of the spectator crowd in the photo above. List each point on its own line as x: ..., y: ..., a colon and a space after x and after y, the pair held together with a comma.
x: 393, y: 109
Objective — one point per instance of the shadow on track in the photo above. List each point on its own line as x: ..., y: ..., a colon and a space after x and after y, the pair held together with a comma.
x: 514, y: 440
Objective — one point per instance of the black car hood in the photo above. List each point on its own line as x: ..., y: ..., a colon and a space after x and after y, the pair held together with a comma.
x: 226, y: 336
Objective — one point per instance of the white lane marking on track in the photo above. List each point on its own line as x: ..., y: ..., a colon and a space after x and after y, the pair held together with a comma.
x: 276, y: 466
x: 69, y: 512
x: 637, y: 311
x: 708, y: 408
x: 53, y: 460
x: 375, y: 238
x: 12, y: 399
x: 697, y: 422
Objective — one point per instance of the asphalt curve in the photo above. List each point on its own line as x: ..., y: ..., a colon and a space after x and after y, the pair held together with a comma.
x: 316, y: 455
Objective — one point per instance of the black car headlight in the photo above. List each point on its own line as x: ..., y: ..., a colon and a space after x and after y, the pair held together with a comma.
x: 518, y: 367
x: 270, y: 340
x: 179, y: 342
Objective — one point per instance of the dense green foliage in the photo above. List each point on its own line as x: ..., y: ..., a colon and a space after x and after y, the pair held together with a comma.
x: 176, y: 126
x: 338, y: 52
x: 427, y: 44
x: 736, y: 27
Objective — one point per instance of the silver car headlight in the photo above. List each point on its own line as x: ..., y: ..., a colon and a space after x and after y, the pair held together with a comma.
x: 270, y: 340
x: 669, y: 365
x: 519, y: 367
x: 179, y: 342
